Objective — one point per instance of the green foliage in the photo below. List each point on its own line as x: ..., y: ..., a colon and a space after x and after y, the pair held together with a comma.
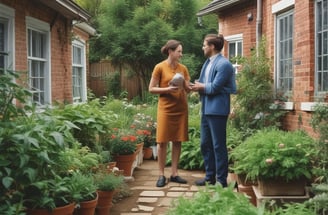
x: 108, y: 181
x: 114, y: 84
x: 293, y: 209
x: 319, y: 122
x: 191, y: 156
x: 83, y: 187
x: 10, y: 91
x: 133, y: 32
x: 253, y: 103
x: 272, y: 153
x: 214, y: 200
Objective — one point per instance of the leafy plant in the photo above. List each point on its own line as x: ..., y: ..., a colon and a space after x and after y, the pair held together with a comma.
x: 108, y: 181
x: 272, y: 153
x: 214, y: 200
x: 319, y: 122
x: 145, y: 128
x: 83, y: 187
x: 122, y: 143
x: 253, y: 106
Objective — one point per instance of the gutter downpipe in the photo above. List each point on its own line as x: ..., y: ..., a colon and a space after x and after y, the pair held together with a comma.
x: 259, y: 22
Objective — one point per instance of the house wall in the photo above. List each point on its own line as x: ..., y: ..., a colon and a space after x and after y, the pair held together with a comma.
x: 61, y: 35
x: 234, y: 21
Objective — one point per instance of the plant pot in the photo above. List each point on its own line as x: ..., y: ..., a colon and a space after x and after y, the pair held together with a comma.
x: 241, y: 179
x: 104, y: 202
x: 248, y: 190
x: 147, y: 153
x: 125, y: 162
x: 64, y: 210
x: 281, y: 187
x: 139, y: 153
x: 154, y: 148
x: 87, y: 207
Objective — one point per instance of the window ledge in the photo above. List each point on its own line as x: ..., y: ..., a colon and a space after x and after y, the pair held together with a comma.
x: 287, y: 106
x: 308, y: 106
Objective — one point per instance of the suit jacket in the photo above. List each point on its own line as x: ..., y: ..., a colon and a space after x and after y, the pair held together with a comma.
x: 221, y: 83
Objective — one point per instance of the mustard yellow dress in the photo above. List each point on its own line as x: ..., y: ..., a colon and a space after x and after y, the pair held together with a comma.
x: 172, y: 109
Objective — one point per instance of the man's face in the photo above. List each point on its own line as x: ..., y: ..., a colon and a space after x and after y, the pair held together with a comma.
x: 207, y: 49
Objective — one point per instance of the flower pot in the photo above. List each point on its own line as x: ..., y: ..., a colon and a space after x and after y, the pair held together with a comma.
x: 125, y: 162
x: 154, y: 148
x: 87, y: 207
x: 139, y: 153
x: 147, y: 153
x: 248, y: 190
x: 241, y: 179
x: 64, y: 210
x: 104, y: 202
x: 281, y: 187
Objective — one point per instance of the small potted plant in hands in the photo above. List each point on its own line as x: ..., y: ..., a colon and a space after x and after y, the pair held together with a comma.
x: 106, y: 183
x: 273, y: 155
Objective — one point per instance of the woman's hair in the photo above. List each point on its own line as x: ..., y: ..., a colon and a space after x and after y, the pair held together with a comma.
x: 170, y: 45
x: 216, y: 40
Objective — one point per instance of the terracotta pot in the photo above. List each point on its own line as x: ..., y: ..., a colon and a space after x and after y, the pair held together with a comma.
x: 248, y: 190
x: 87, y: 207
x: 125, y: 162
x: 64, y: 210
x: 147, y: 153
x: 104, y: 202
x: 241, y: 179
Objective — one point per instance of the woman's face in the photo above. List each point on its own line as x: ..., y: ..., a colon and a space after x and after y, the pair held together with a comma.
x: 176, y: 54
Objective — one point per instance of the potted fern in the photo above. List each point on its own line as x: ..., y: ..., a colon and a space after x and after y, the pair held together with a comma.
x: 272, y: 155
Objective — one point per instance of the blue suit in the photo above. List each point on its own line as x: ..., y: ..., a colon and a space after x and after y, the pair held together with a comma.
x: 215, y: 109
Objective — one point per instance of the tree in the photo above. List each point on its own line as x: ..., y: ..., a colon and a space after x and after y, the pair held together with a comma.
x: 133, y: 32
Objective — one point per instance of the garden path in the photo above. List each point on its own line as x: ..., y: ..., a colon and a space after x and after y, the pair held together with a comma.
x: 146, y: 198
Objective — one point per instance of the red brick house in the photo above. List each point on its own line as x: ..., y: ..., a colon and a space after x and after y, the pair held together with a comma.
x: 297, y: 41
x: 48, y: 41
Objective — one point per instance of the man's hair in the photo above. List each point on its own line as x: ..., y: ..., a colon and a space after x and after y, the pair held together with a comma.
x: 216, y: 40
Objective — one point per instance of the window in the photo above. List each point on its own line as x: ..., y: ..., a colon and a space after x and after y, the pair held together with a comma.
x: 78, y: 72
x: 38, y: 61
x: 235, y: 48
x: 284, y: 52
x: 321, y: 64
x: 6, y: 38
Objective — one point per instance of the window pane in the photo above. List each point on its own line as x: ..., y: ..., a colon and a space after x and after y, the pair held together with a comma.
x: 285, y: 52
x: 321, y: 46
x: 2, y: 45
x: 232, y: 50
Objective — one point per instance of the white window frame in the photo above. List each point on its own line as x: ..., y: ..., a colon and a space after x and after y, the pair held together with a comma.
x: 7, y: 17
x: 236, y: 39
x: 287, y: 60
x: 320, y: 91
x: 43, y: 28
x: 81, y: 45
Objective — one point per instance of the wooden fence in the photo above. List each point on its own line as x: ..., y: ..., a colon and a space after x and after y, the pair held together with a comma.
x: 99, y: 79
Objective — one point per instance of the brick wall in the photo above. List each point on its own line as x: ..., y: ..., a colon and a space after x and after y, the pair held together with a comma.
x: 61, y: 32
x: 234, y: 21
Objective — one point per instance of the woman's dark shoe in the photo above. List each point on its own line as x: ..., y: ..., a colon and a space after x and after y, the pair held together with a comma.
x: 178, y: 179
x: 161, y: 181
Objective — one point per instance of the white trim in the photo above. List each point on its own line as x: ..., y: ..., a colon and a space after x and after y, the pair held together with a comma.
x: 234, y: 37
x: 282, y: 5
x: 81, y: 43
x: 309, y: 106
x: 39, y: 25
x: 9, y: 14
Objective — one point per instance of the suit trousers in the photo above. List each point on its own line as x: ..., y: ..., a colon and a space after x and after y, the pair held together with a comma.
x: 214, y: 148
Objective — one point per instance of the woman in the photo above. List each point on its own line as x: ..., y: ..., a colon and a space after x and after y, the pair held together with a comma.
x: 170, y: 79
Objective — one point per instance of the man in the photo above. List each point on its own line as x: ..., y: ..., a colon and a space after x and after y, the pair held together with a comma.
x: 215, y: 84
